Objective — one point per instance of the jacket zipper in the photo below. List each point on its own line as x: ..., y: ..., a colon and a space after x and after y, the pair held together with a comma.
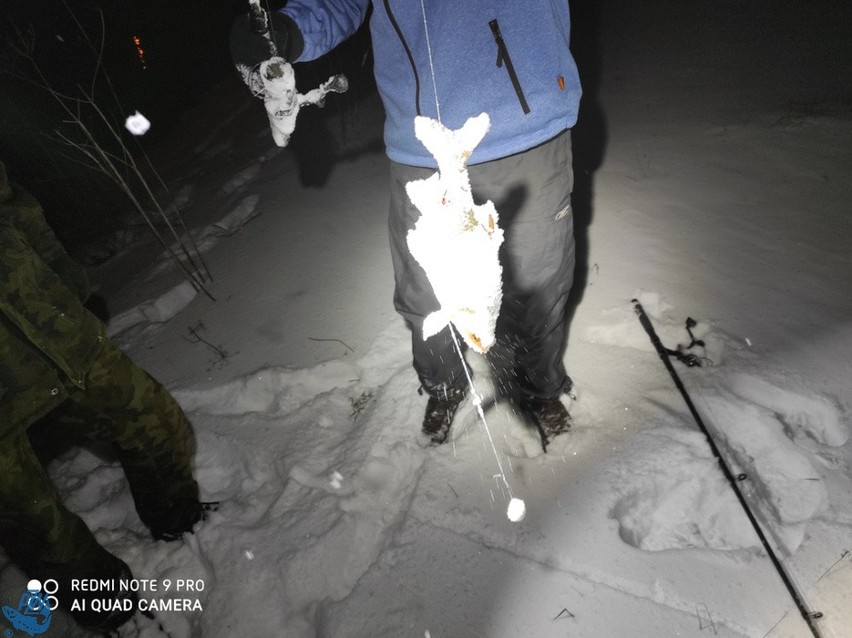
x: 503, y: 58
x: 408, y: 53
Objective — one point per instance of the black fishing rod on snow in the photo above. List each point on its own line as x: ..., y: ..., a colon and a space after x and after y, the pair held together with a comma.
x: 665, y: 354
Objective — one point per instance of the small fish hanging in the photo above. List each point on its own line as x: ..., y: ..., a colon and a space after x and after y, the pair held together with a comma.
x: 456, y: 241
x: 275, y: 81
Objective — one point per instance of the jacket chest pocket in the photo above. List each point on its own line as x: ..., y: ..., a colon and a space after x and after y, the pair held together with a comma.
x: 504, y: 60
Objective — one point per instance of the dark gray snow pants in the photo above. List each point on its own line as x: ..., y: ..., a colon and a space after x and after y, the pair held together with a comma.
x: 532, y: 193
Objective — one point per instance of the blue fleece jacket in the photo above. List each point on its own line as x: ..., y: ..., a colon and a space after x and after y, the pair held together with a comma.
x: 509, y: 58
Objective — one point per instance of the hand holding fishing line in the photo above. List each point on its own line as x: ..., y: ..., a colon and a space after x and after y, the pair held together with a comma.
x: 261, y: 43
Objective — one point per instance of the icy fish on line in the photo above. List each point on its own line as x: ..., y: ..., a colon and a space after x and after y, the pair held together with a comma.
x: 456, y: 241
x: 275, y: 82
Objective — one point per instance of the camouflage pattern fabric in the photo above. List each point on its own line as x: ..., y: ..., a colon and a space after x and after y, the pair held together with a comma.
x: 5, y: 186
x: 124, y: 406
x: 141, y: 423
x: 62, y: 380
x: 44, y: 538
x: 46, y: 334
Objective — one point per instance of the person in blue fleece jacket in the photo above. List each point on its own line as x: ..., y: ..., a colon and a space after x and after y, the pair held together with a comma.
x: 451, y: 61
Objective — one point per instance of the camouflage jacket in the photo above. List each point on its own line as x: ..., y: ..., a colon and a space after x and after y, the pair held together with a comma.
x: 47, y: 337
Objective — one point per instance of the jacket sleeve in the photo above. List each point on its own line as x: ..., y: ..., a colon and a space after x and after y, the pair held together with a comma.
x: 325, y: 23
x: 30, y: 219
x: 43, y: 310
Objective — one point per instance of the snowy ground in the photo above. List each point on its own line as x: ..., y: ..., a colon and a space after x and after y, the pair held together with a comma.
x: 723, y: 193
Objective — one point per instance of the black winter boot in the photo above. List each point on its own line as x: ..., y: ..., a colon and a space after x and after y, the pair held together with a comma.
x: 172, y: 525
x: 548, y: 415
x: 440, y: 411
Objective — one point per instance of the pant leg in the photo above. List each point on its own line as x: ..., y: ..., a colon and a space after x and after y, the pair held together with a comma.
x: 532, y: 194
x: 43, y: 537
x: 124, y: 406
x: 436, y: 359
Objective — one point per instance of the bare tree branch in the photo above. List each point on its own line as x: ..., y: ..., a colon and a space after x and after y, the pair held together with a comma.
x: 120, y: 167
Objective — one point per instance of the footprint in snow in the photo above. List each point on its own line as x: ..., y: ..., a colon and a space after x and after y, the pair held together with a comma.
x: 776, y: 437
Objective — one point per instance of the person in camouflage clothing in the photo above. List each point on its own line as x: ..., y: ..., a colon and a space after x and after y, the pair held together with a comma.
x: 62, y: 379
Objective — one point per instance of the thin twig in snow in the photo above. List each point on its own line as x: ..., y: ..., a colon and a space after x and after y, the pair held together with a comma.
x: 775, y: 625
x: 701, y: 625
x: 351, y: 349
x: 842, y: 556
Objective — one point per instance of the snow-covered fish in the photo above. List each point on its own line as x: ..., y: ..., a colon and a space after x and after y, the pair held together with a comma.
x: 275, y: 82
x: 456, y: 241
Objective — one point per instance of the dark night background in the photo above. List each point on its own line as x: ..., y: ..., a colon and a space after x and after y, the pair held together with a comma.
x: 185, y: 50
x: 185, y: 53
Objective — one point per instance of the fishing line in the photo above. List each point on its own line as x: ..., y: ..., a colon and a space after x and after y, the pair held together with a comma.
x: 431, y: 62
x: 273, y: 37
x: 517, y: 508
